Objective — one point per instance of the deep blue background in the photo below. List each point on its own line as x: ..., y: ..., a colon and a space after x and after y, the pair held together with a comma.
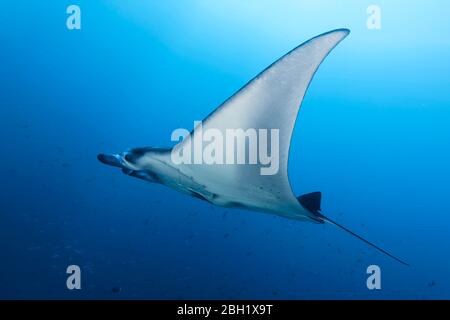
x: 372, y: 135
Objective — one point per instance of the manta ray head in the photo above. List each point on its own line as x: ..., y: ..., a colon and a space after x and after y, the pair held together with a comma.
x: 136, y: 162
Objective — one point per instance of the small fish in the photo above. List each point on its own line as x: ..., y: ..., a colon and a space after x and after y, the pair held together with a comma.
x: 116, y: 289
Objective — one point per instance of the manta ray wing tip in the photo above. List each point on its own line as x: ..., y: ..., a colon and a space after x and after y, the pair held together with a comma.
x: 340, y: 33
x: 345, y: 31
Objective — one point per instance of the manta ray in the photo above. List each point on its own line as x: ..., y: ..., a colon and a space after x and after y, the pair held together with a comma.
x: 270, y: 100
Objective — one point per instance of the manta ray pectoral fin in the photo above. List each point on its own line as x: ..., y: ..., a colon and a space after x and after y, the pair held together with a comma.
x: 269, y: 102
x: 311, y: 202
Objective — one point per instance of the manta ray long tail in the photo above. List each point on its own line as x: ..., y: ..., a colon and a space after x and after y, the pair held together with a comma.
x: 311, y: 202
x: 361, y: 238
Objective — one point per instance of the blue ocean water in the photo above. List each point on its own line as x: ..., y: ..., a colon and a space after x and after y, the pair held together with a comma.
x: 373, y: 135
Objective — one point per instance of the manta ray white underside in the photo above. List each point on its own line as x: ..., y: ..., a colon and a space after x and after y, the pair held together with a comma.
x: 271, y: 100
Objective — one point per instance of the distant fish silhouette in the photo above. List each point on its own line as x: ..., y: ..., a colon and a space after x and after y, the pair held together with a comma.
x: 116, y: 289
x: 270, y: 100
x: 66, y: 165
